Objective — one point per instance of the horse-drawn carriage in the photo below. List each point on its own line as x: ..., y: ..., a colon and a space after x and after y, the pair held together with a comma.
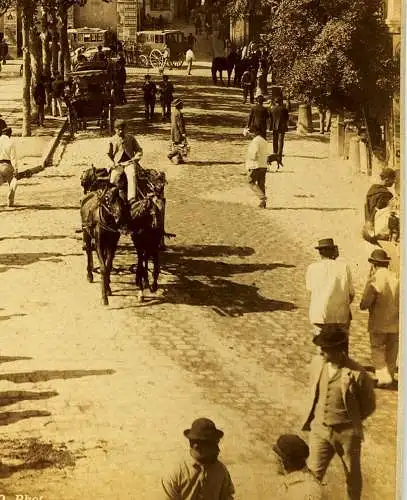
x: 149, y: 48
x: 104, y: 215
x: 91, y: 96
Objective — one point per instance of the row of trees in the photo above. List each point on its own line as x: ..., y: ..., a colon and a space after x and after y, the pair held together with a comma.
x: 335, y: 54
x: 45, y: 43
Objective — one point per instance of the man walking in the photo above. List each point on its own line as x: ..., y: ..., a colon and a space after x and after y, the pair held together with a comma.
x: 149, y: 92
x: 178, y: 132
x: 189, y: 58
x: 381, y: 298
x: 202, y: 476
x: 40, y: 100
x: 259, y: 117
x: 166, y: 90
x: 257, y: 160
x: 8, y: 164
x: 248, y: 84
x: 298, y: 481
x: 330, y: 283
x: 279, y: 126
x: 341, y: 398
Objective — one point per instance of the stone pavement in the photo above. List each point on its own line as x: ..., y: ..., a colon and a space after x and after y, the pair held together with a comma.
x: 227, y: 335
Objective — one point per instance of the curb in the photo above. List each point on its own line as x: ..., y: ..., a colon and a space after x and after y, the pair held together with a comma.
x: 47, y: 155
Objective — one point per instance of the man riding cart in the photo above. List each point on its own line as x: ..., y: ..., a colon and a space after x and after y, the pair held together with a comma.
x: 135, y: 184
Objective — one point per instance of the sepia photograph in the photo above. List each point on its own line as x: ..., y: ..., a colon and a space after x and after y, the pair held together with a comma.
x: 201, y: 249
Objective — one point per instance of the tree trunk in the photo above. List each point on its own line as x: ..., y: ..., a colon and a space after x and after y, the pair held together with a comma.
x: 45, y: 40
x: 26, y: 128
x: 36, y: 61
x: 65, y: 54
x: 55, y: 42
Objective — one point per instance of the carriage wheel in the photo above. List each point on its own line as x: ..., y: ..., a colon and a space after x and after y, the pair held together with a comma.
x: 177, y: 63
x: 110, y: 120
x: 144, y: 63
x: 156, y: 58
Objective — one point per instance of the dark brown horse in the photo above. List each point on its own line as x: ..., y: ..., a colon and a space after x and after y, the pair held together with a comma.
x: 102, y: 215
x: 147, y: 233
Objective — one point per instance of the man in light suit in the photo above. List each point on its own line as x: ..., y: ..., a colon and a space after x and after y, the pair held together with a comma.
x: 342, y: 396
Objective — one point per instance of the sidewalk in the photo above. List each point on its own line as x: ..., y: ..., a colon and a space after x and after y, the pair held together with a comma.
x: 33, y: 152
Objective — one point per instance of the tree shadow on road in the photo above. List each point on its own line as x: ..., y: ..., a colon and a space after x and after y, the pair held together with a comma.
x: 202, y: 282
x: 46, y: 375
x: 23, y: 259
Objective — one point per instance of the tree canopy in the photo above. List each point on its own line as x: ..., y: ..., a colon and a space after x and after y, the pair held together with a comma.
x: 335, y: 53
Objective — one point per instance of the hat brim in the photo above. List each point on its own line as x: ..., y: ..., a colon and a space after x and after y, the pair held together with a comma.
x: 379, y: 261
x: 201, y: 437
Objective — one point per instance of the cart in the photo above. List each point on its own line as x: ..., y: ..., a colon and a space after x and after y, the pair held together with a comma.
x: 91, y: 96
x: 152, y: 44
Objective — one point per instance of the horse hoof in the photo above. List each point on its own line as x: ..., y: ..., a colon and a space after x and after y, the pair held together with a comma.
x: 154, y: 287
x: 105, y: 301
x: 90, y: 278
x: 141, y: 297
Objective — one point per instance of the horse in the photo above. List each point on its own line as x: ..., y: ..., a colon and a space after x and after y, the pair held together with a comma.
x: 147, y: 231
x: 102, y: 215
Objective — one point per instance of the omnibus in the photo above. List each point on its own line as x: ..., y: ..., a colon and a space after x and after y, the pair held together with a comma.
x: 91, y: 37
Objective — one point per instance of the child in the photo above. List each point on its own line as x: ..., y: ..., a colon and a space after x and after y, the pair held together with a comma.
x: 257, y: 161
x: 204, y: 476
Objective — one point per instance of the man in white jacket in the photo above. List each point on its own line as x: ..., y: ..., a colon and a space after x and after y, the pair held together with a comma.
x: 189, y: 58
x: 257, y: 160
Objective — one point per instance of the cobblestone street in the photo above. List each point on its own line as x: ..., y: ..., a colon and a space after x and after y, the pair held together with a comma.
x: 226, y: 336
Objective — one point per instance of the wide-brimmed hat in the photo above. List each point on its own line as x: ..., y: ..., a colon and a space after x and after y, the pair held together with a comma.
x: 203, y: 429
x: 379, y: 256
x: 331, y: 336
x: 177, y: 102
x: 120, y: 123
x: 325, y: 243
x: 388, y: 173
x: 291, y: 447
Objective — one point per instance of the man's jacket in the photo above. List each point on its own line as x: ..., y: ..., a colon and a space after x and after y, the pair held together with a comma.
x: 357, y: 392
x: 279, y: 118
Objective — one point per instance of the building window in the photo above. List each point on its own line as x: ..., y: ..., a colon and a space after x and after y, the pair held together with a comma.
x: 160, y: 5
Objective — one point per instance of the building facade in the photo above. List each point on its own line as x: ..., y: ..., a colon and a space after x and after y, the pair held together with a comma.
x: 393, y: 21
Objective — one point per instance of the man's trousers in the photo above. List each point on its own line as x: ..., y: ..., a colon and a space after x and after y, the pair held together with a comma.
x: 7, y: 175
x: 149, y: 109
x: 278, y: 143
x: 345, y: 441
x: 384, y: 348
x: 257, y: 182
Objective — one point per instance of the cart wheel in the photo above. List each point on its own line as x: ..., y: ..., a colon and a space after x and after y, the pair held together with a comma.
x: 156, y: 58
x: 110, y: 120
x: 144, y: 63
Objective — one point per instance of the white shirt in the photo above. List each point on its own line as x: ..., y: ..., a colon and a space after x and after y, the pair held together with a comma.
x: 257, y: 153
x: 189, y: 56
x: 330, y: 284
x: 8, y: 150
x: 300, y: 485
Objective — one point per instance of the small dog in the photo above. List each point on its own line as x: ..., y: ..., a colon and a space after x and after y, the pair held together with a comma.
x: 275, y: 157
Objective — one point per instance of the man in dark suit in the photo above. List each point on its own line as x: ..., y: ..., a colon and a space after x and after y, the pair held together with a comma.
x: 259, y: 117
x: 279, y: 126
